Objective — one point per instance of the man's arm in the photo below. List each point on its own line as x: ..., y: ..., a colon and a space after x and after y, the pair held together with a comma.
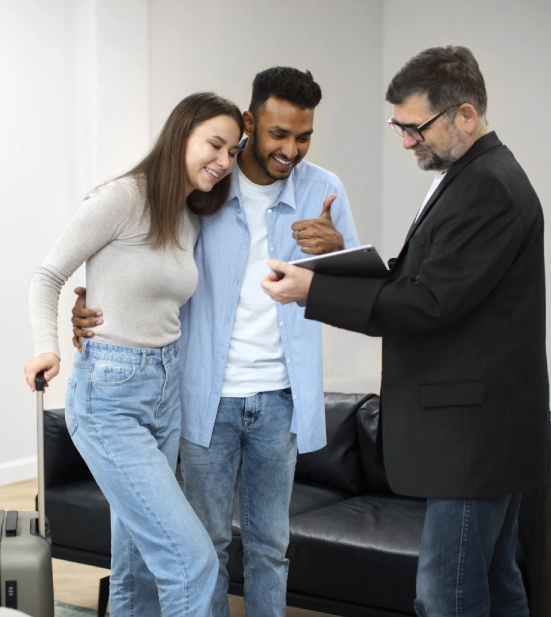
x: 476, y: 242
x: 83, y: 318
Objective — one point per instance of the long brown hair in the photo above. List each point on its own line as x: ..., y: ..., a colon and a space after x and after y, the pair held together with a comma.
x: 164, y: 168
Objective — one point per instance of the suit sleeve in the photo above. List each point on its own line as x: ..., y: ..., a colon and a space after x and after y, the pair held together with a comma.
x: 476, y: 239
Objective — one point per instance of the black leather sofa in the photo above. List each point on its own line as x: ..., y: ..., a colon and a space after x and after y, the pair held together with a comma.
x: 354, y: 545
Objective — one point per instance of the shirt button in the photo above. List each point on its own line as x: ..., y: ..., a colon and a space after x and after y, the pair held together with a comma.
x: 295, y: 396
x: 271, y: 248
x: 281, y: 323
x: 270, y: 211
x: 288, y: 361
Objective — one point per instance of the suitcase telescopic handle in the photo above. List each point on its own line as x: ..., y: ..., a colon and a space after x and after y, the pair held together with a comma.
x: 39, y: 383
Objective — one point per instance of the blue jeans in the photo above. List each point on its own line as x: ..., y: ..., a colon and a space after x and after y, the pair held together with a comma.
x: 123, y: 413
x: 467, y: 562
x: 252, y: 446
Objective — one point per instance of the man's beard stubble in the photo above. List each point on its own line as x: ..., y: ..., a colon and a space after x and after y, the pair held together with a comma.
x: 443, y: 161
x: 263, y: 160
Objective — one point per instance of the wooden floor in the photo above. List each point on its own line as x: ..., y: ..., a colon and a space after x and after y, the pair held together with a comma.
x: 78, y: 584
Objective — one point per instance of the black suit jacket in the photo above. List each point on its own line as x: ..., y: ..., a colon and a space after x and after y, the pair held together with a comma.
x: 464, y: 384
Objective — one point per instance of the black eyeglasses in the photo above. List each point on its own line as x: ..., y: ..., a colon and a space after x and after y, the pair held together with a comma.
x: 416, y: 131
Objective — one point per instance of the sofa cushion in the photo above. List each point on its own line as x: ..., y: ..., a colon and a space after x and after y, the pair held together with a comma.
x: 78, y: 514
x: 62, y: 461
x: 338, y: 464
x: 306, y: 496
x: 362, y: 550
x: 367, y: 421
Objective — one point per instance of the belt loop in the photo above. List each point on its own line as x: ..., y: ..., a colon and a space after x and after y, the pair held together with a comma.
x: 144, y: 357
x: 83, y: 346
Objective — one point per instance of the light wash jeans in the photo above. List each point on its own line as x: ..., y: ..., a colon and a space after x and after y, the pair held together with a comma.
x: 123, y: 413
x: 467, y: 562
x: 252, y: 445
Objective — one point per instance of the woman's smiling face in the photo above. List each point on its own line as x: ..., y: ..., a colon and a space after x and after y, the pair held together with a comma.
x: 210, y: 152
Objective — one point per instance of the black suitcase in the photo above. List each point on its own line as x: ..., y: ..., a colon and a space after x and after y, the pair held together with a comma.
x: 25, y: 553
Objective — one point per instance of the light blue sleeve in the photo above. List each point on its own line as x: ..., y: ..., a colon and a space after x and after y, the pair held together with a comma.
x: 343, y: 219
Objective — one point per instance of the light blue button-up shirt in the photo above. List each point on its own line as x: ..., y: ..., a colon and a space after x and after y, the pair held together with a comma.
x: 207, y: 318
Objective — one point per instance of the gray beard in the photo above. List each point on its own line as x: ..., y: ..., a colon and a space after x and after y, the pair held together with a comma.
x: 443, y: 161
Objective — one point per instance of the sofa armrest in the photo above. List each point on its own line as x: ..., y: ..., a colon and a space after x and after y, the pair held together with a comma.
x: 62, y: 462
x: 337, y: 464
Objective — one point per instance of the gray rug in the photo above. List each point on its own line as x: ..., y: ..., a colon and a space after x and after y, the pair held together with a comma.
x: 68, y: 610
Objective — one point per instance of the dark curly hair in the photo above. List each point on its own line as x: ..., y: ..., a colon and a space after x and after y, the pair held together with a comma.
x: 286, y: 83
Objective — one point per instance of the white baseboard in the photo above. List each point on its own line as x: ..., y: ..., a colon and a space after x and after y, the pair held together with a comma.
x: 20, y: 470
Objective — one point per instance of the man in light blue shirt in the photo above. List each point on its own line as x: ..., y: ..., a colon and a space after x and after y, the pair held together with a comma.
x: 232, y: 432
x: 251, y: 369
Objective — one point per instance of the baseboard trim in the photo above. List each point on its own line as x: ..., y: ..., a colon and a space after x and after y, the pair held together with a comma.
x: 19, y: 470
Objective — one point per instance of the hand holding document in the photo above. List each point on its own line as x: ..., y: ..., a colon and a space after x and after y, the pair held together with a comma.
x: 290, y: 282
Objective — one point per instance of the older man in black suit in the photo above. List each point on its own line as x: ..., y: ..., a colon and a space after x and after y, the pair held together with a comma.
x: 464, y: 386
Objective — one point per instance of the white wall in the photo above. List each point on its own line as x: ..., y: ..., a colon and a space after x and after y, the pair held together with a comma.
x: 34, y: 193
x: 74, y: 113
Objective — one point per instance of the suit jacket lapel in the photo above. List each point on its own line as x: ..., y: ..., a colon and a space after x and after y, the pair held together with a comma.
x: 482, y: 145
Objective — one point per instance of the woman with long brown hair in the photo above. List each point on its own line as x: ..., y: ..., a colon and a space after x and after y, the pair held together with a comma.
x: 136, y: 235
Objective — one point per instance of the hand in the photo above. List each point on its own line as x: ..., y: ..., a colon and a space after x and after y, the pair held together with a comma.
x: 318, y: 236
x: 293, y: 287
x: 47, y: 362
x: 83, y: 318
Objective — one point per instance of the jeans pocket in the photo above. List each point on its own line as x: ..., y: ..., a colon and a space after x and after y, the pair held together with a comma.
x: 111, y: 373
x: 70, y: 416
x: 286, y: 393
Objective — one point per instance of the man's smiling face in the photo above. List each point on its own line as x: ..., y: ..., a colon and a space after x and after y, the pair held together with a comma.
x: 280, y: 138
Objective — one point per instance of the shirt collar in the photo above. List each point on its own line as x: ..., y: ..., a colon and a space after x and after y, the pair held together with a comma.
x: 287, y: 195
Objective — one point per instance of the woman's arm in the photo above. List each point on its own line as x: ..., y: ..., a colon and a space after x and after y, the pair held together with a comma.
x: 97, y: 222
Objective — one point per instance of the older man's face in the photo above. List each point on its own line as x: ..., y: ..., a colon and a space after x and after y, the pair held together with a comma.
x: 444, y: 144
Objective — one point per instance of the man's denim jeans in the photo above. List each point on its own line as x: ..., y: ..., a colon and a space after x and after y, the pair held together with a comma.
x: 123, y: 412
x: 251, y: 446
x: 467, y: 560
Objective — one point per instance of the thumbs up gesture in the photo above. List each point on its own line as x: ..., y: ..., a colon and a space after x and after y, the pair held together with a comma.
x: 318, y: 236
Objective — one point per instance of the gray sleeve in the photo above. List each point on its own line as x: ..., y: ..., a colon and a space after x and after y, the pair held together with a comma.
x: 100, y: 219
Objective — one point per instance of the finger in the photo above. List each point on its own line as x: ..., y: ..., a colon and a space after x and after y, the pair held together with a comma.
x: 303, y: 234
x: 80, y: 332
x: 77, y: 342
x: 85, y: 318
x: 326, y: 208
x: 51, y: 373
x: 279, y: 266
x: 29, y: 376
x: 80, y: 312
x: 80, y: 292
x: 309, y: 250
x: 302, y: 225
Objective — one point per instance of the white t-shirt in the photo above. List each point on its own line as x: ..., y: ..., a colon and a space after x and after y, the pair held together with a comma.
x: 435, y: 184
x: 256, y: 362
